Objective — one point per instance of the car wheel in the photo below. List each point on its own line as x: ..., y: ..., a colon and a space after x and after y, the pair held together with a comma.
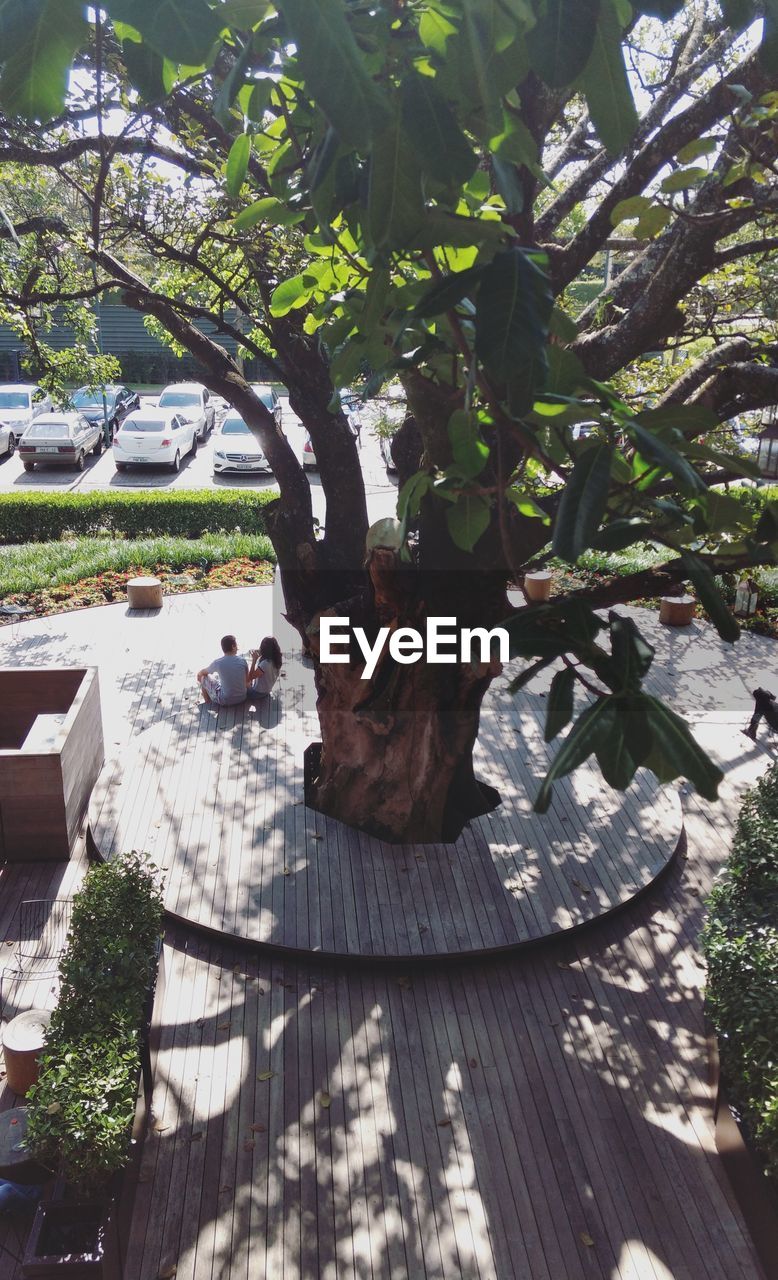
x: 29, y: 466
x: 193, y: 449
x: 11, y: 443
x: 176, y: 463
x: 98, y: 449
x: 121, y: 466
x: 80, y: 464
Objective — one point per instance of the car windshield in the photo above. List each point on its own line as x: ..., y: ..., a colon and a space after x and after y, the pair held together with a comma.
x: 48, y: 431
x: 235, y: 427
x: 265, y: 395
x: 132, y: 425
x: 179, y: 400
x: 14, y: 399
x: 85, y: 399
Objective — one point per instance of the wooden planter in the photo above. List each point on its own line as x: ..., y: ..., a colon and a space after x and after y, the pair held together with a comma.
x: 756, y: 1199
x: 51, y: 751
x: 99, y: 1228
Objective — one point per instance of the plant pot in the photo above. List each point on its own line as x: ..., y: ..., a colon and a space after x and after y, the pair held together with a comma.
x: 677, y: 611
x: 73, y: 1240
x: 538, y: 585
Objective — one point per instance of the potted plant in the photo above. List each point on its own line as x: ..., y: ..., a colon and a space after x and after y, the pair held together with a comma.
x: 85, y: 1108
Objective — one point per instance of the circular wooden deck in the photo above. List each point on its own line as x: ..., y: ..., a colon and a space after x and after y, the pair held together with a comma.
x: 216, y: 799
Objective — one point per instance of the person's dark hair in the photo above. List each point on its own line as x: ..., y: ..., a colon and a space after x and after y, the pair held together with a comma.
x: 269, y: 648
x: 228, y: 644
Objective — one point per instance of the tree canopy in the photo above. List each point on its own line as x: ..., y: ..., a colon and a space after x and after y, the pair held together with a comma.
x: 531, y: 211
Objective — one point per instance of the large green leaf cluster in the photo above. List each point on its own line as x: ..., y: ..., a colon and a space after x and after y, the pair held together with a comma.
x: 740, y: 942
x: 82, y: 1107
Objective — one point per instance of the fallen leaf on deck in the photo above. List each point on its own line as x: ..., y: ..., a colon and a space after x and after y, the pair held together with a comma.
x: 442, y: 1123
x: 258, y: 1128
x: 223, y: 1026
x: 248, y: 1145
x: 160, y: 1128
x: 196, y: 1137
x: 266, y: 1075
x: 324, y: 1098
x: 287, y: 872
x: 168, y: 1273
x: 587, y: 1240
x: 315, y: 836
x: 473, y: 1062
x: 405, y: 983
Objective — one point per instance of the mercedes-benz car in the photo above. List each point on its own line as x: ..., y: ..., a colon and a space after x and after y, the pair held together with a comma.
x: 235, y: 448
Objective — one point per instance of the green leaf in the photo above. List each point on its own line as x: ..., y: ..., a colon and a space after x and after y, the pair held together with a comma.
x: 549, y: 630
x: 584, y: 738
x: 507, y: 181
x: 663, y: 456
x: 183, y: 30
x: 38, y: 39
x: 243, y: 14
x: 440, y: 144
x: 232, y: 84
x: 631, y: 654
x: 144, y: 69
x: 709, y: 596
x: 395, y: 207
x: 561, y: 42
x: 446, y: 292
x: 512, y: 314
x: 335, y: 71
x: 620, y: 534
x: 689, y: 418
x: 467, y: 520
x: 682, y: 179
x: 410, y: 496
x: 269, y: 209
x: 604, y: 81
x: 526, y: 505
x: 237, y: 164
x: 652, y: 222
x: 631, y: 208
x: 471, y: 454
x: 583, y: 502
x: 292, y: 293
x: 675, y: 753
x: 696, y: 148
x: 559, y: 710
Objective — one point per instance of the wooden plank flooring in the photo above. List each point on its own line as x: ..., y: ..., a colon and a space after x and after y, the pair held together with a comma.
x: 544, y: 1116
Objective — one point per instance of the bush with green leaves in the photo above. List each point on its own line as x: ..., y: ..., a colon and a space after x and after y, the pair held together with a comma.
x: 82, y: 1107
x: 187, y: 513
x: 740, y: 942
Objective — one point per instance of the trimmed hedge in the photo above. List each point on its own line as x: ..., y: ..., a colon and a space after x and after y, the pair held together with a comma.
x: 82, y: 1107
x: 740, y: 942
x: 143, y: 513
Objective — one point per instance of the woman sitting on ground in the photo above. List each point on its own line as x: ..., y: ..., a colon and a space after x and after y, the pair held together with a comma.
x: 266, y: 664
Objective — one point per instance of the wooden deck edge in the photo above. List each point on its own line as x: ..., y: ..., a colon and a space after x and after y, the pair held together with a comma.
x: 252, y: 946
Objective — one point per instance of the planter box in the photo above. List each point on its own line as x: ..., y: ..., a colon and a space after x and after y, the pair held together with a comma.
x: 755, y: 1197
x: 100, y: 1229
x: 51, y: 751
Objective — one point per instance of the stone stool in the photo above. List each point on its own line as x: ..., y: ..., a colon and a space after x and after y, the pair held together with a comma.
x: 23, y: 1040
x: 677, y: 611
x: 144, y: 593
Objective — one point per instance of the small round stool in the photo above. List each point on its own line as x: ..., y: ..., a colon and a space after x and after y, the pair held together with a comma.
x: 23, y: 1041
x: 144, y: 593
x: 677, y: 611
x: 538, y: 585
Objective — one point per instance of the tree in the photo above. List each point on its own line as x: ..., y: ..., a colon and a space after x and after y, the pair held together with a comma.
x: 419, y: 189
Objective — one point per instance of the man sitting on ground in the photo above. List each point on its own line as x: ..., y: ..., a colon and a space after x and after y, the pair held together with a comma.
x: 226, y: 681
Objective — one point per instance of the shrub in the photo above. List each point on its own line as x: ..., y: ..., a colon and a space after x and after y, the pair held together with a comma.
x: 740, y: 942
x: 187, y: 513
x: 82, y: 1107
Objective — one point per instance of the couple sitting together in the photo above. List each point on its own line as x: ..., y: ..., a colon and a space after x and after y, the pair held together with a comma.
x: 230, y: 680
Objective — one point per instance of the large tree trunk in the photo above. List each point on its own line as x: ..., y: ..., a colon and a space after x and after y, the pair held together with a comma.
x: 396, y: 752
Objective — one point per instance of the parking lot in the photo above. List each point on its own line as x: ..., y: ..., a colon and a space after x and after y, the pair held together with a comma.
x: 197, y: 473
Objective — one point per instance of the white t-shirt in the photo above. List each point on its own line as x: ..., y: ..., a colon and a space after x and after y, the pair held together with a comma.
x: 266, y: 677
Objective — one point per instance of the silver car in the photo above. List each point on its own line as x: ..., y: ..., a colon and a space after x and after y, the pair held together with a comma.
x: 193, y: 401
x: 60, y: 440
x: 20, y: 404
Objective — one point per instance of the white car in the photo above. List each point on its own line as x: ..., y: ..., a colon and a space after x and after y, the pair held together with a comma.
x: 154, y: 438
x: 60, y: 440
x: 235, y: 448
x: 20, y: 404
x: 193, y: 401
